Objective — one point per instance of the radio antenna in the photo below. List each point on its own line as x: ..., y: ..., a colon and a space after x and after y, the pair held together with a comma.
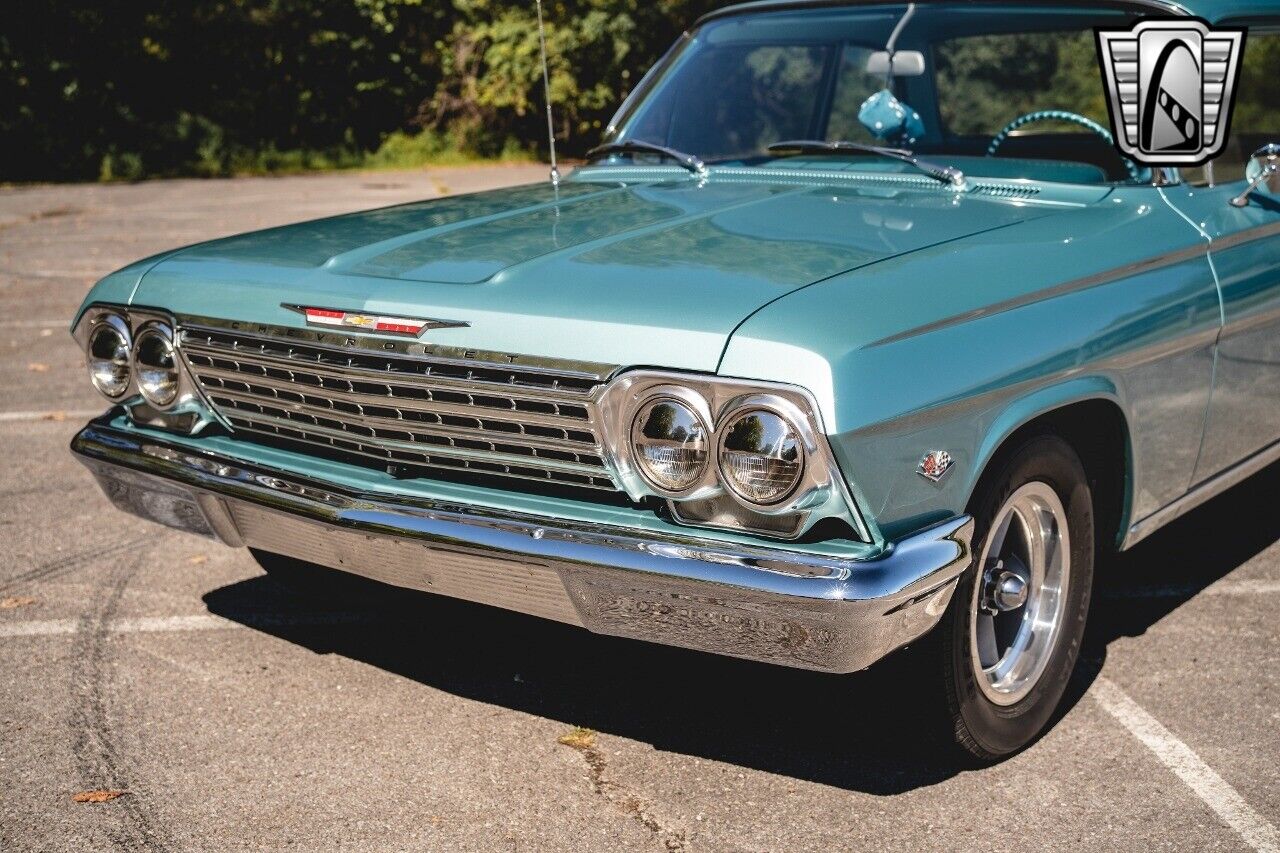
x: 546, y: 92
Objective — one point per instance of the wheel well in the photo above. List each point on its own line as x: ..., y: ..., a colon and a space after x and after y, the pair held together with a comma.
x: 1098, y: 432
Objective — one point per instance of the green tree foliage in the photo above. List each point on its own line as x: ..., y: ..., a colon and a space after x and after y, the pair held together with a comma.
x: 210, y: 87
x: 1258, y: 93
x: 154, y: 87
x: 985, y: 81
x: 598, y: 50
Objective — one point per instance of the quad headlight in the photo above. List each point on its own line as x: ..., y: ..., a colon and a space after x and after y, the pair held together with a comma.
x: 761, y: 457
x: 107, y: 356
x: 722, y: 452
x: 157, y: 366
x: 670, y: 443
x: 134, y: 360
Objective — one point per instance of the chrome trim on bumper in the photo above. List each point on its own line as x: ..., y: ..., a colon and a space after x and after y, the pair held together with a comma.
x: 762, y: 603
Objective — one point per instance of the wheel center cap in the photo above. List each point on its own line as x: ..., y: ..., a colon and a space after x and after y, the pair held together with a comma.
x: 1006, y: 590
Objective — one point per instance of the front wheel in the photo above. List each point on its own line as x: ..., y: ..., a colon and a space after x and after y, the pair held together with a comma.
x: 1011, y: 637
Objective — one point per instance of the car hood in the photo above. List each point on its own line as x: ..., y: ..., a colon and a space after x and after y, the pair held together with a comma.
x: 651, y: 273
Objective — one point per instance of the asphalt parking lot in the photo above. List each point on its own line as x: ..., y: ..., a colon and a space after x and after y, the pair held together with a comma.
x: 235, y: 716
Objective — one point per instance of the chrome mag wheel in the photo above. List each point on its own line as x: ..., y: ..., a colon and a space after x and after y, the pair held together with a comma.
x: 1020, y: 594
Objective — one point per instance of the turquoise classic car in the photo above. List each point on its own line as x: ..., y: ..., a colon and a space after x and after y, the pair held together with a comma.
x: 856, y: 332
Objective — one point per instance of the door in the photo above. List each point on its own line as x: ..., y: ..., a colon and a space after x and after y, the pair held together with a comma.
x: 1244, y: 412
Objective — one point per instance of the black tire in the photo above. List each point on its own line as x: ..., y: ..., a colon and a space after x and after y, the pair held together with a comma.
x: 315, y: 582
x: 983, y: 728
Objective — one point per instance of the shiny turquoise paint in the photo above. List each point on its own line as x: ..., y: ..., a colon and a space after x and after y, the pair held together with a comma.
x: 1245, y: 414
x: 877, y: 298
x: 618, y: 269
x: 984, y: 335
x: 118, y: 287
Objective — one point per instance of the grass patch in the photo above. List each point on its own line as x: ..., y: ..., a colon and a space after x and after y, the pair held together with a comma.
x: 579, y: 738
x: 209, y: 157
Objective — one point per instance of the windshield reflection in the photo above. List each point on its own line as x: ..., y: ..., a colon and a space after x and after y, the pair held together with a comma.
x: 742, y: 82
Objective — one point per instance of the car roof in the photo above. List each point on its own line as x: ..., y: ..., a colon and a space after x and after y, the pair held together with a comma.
x: 1212, y: 11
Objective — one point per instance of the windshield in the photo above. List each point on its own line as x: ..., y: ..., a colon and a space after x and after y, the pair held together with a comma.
x: 742, y: 83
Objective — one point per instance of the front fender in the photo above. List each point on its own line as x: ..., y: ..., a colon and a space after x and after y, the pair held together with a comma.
x: 118, y: 288
x: 955, y: 348
x: 972, y: 431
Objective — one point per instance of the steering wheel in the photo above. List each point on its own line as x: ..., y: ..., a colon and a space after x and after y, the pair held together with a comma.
x: 1061, y: 115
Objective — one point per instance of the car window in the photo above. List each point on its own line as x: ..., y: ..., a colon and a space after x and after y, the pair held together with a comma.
x: 738, y: 84
x: 752, y: 96
x: 984, y: 82
x: 1256, y: 118
x: 853, y: 86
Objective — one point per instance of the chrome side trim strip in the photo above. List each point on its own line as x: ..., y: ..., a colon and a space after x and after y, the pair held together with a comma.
x: 1240, y: 238
x: 1083, y: 283
x: 784, y: 606
x: 1202, y: 493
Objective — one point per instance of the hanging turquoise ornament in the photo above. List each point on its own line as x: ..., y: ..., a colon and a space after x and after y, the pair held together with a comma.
x: 889, y: 119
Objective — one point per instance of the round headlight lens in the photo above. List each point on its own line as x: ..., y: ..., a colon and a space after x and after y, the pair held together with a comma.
x: 670, y: 444
x: 108, y: 354
x: 761, y: 457
x: 157, y: 367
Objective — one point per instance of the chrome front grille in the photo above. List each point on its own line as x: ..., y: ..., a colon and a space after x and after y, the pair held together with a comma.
x: 403, y: 412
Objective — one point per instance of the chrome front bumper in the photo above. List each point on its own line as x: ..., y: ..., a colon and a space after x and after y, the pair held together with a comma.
x: 768, y: 604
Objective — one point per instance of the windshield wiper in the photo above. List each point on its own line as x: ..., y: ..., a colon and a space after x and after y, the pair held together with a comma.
x: 638, y: 146
x: 947, y: 174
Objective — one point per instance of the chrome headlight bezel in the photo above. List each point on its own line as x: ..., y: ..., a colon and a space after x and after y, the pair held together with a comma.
x: 107, y: 322
x: 819, y: 493
x: 188, y: 411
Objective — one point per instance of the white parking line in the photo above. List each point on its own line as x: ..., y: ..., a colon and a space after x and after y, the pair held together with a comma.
x: 55, y: 415
x: 195, y: 622
x: 1189, y: 767
x: 62, y: 322
x: 1259, y: 587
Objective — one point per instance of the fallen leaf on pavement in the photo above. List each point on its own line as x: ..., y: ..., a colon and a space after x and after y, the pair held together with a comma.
x: 198, y: 559
x: 54, y: 416
x: 37, y: 367
x: 12, y: 602
x: 99, y: 796
x: 579, y: 738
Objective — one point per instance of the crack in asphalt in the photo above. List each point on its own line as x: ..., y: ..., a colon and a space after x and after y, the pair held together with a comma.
x: 93, y: 738
x: 71, y: 562
x: 626, y: 801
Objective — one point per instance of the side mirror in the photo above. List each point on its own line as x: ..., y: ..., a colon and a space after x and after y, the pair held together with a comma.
x: 1263, y: 170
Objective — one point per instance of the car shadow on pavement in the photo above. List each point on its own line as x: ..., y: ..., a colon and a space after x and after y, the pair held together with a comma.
x: 872, y: 731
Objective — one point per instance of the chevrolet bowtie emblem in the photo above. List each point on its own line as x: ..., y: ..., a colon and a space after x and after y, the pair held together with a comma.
x: 380, y: 323
x: 1170, y: 86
